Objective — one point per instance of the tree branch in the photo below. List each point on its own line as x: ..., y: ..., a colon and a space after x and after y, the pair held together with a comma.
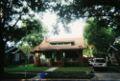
x: 20, y: 14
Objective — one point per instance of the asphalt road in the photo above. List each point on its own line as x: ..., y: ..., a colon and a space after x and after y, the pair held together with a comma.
x: 105, y: 75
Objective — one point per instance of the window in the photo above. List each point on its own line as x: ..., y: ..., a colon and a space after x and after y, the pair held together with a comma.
x: 100, y: 60
x: 16, y: 57
x: 62, y: 43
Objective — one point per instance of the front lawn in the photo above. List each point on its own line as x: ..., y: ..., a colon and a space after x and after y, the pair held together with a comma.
x: 21, y: 68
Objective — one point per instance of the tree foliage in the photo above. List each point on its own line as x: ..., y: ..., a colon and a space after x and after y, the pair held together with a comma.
x: 98, y: 36
x: 11, y: 12
x: 34, y: 31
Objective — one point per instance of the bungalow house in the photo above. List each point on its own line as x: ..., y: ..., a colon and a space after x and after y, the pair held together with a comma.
x: 59, y: 52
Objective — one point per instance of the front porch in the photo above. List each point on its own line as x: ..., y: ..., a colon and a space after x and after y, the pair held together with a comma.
x: 59, y: 58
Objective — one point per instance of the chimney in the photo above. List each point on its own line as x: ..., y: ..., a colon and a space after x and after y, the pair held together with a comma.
x: 45, y: 38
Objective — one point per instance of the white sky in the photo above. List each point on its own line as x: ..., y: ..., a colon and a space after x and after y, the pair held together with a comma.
x: 76, y: 27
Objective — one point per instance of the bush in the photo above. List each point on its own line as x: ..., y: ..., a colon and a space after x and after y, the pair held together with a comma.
x: 70, y: 75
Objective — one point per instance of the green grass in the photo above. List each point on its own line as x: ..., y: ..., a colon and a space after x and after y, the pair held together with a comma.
x: 21, y: 68
x: 83, y: 69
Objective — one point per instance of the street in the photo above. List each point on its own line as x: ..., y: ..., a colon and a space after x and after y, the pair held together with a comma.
x: 105, y: 75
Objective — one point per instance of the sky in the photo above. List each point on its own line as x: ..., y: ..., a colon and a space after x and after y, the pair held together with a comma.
x: 49, y: 19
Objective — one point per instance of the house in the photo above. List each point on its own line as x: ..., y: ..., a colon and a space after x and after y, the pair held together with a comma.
x: 59, y: 52
x: 113, y: 55
x: 15, y: 56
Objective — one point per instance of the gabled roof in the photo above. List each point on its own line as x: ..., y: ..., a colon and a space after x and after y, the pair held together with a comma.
x: 78, y: 43
x: 13, y: 50
x: 112, y: 48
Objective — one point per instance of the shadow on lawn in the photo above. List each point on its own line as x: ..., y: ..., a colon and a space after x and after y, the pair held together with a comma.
x: 69, y: 75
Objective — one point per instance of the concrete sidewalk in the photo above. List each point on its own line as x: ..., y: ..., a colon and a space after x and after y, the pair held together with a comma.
x: 48, y: 70
x: 51, y: 69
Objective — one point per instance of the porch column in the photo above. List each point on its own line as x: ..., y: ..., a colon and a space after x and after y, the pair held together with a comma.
x: 80, y: 57
x: 52, y: 63
x: 37, y: 59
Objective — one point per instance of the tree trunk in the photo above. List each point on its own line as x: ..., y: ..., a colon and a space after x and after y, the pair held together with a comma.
x: 2, y: 54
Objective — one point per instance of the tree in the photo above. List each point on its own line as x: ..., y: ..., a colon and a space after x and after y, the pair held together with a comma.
x: 34, y: 31
x: 13, y: 10
x: 99, y: 37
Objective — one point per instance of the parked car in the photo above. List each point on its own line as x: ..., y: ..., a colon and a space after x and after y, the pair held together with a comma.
x: 99, y: 63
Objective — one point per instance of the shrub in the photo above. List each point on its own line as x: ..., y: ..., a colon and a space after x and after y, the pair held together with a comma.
x: 70, y: 75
